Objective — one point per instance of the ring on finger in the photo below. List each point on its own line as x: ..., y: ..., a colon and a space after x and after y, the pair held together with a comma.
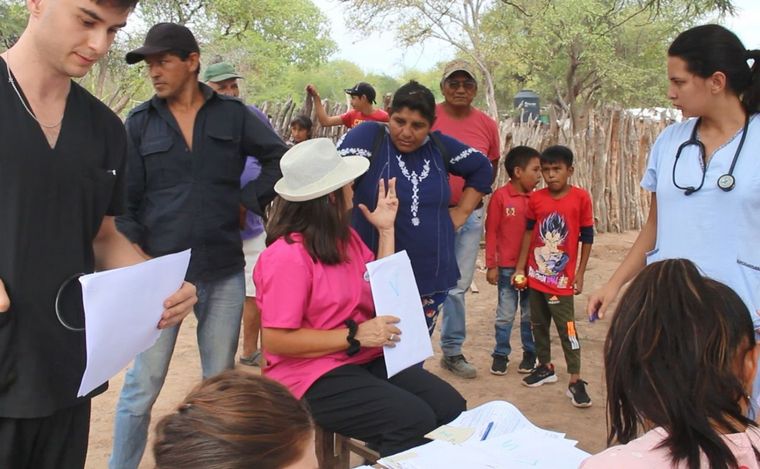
x: 392, y: 337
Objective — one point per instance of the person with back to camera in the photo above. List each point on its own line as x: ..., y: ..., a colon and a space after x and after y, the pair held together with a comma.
x: 321, y: 336
x: 680, y: 358
x: 237, y: 420
x: 558, y: 218
x: 505, y: 226
x: 420, y: 160
x: 703, y: 172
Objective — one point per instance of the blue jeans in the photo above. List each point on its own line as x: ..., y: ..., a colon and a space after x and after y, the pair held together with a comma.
x: 219, y: 309
x: 466, y: 247
x: 509, y: 297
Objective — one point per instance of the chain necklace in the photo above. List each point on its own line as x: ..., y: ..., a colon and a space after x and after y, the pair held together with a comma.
x: 13, y: 85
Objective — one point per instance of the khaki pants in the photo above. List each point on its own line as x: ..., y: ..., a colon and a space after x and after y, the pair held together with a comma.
x: 543, y: 308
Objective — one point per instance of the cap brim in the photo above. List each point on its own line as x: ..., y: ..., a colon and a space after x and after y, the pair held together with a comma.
x: 446, y: 76
x: 350, y: 168
x: 139, y: 54
x: 223, y: 77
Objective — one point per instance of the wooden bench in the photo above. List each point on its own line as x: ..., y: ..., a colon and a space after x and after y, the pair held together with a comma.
x: 334, y: 450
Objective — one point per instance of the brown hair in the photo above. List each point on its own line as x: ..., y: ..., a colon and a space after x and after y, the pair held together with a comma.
x: 323, y: 222
x: 123, y: 4
x: 234, y: 420
x: 669, y: 360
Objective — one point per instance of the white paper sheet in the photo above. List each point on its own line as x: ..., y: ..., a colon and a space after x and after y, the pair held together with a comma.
x: 395, y: 293
x: 505, y: 417
x: 122, y: 308
x: 512, y: 442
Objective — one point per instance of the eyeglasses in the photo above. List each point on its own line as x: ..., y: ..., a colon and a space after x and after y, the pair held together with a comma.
x: 469, y: 85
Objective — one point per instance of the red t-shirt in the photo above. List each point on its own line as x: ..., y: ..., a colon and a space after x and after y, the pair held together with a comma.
x: 352, y: 118
x: 477, y: 130
x: 505, y: 226
x: 554, y: 243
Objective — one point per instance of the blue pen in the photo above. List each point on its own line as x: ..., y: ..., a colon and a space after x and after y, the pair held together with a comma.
x: 488, y: 430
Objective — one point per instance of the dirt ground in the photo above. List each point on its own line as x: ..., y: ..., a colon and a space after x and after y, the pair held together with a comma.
x: 546, y: 406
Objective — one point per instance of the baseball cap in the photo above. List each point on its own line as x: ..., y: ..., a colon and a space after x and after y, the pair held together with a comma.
x: 219, y: 72
x: 362, y: 88
x: 459, y: 65
x: 164, y: 37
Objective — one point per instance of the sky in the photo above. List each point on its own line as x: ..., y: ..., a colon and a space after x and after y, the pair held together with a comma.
x: 375, y: 53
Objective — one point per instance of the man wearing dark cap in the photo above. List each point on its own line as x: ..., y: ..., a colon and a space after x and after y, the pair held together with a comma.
x: 362, y: 107
x: 457, y: 117
x: 187, y: 147
x: 61, y: 184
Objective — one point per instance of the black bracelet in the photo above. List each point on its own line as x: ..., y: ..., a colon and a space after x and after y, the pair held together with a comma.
x: 353, y: 344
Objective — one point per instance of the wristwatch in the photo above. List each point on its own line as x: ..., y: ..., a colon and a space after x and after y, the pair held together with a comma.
x: 353, y: 344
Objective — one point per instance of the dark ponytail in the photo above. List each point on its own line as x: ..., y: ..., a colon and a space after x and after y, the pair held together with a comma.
x: 712, y: 48
x: 751, y: 96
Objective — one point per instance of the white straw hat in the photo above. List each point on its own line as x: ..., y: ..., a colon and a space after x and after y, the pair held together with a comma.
x: 313, y: 168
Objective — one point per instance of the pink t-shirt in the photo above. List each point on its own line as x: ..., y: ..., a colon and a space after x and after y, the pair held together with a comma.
x: 477, y: 130
x: 643, y: 452
x: 293, y: 291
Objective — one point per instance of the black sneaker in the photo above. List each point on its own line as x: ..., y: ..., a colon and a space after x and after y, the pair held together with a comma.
x: 528, y: 363
x: 499, y: 365
x: 542, y: 374
x: 577, y: 393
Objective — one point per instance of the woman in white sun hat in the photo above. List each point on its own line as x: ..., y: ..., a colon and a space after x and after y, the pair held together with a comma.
x: 321, y: 336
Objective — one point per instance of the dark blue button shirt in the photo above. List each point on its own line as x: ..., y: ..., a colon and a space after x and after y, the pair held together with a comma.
x: 180, y: 198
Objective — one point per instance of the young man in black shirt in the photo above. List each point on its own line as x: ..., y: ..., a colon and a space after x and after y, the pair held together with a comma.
x: 61, y: 182
x: 187, y: 149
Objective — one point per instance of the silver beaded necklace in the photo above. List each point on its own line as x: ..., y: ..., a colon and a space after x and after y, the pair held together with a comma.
x: 23, y: 103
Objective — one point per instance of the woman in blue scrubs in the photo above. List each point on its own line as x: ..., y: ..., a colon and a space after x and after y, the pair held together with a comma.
x: 704, y: 172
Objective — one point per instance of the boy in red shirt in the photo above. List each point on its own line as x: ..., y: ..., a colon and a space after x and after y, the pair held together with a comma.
x: 505, y: 226
x: 559, y: 217
x: 362, y: 107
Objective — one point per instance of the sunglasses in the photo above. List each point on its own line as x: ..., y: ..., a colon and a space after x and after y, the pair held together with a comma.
x: 456, y: 84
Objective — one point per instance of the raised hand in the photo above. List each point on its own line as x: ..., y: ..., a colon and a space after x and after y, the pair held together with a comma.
x: 384, y: 215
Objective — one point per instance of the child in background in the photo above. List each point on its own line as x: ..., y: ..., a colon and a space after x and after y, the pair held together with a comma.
x: 559, y: 216
x: 505, y: 226
x: 300, y: 129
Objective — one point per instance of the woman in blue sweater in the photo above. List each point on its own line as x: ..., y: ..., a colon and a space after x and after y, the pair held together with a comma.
x: 421, y: 161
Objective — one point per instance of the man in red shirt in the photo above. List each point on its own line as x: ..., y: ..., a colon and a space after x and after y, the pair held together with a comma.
x: 362, y: 107
x: 457, y: 117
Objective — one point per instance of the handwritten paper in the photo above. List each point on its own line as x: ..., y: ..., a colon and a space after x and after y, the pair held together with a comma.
x: 512, y: 442
x: 122, y: 308
x: 394, y: 291
x: 456, y: 435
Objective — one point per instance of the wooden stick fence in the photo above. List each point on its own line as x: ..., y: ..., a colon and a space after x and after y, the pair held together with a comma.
x: 610, y: 154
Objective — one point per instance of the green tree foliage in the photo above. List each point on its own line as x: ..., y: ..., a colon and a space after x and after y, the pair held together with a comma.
x: 457, y: 23
x: 12, y: 21
x: 580, y: 52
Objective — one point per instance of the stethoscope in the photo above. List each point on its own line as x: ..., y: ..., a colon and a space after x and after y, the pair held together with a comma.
x: 726, y: 182
x: 65, y: 290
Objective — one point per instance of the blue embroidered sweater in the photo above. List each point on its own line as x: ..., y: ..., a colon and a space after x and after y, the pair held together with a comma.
x: 423, y: 225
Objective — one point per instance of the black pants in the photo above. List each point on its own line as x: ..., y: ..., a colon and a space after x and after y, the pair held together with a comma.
x: 392, y: 415
x: 55, y: 442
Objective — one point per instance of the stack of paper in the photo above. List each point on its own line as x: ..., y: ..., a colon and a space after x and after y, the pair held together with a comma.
x: 492, y: 436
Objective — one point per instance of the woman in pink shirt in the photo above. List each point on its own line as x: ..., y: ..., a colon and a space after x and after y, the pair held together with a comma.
x: 321, y: 336
x: 680, y: 359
